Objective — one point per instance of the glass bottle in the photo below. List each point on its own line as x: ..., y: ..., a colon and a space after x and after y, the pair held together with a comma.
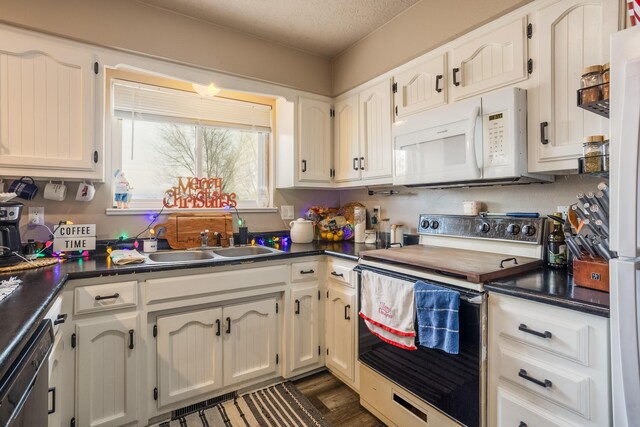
x: 592, y: 152
x: 591, y: 78
x: 556, y: 246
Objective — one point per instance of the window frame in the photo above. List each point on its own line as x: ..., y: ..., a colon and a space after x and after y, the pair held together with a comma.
x: 266, y: 147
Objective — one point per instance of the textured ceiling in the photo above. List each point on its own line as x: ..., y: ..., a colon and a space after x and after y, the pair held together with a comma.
x: 323, y: 27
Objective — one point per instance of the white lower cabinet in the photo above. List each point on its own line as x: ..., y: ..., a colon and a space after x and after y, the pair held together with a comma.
x: 304, y: 320
x: 250, y: 343
x: 547, y: 366
x: 201, y: 351
x: 189, y: 354
x: 106, y: 371
x: 341, y: 317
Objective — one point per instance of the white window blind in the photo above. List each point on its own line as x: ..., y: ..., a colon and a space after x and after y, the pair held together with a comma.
x: 153, y: 101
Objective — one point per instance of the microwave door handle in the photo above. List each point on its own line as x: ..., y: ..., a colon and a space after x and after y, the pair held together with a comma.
x: 472, y: 141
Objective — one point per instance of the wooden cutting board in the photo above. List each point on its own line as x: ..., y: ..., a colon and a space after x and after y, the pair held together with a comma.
x: 183, y: 229
x: 476, y: 267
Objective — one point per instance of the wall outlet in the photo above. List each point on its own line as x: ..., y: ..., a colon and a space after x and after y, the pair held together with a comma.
x: 36, y: 216
x: 286, y: 211
x: 564, y: 210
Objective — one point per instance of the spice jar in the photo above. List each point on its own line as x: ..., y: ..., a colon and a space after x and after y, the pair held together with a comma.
x: 591, y: 78
x: 605, y: 81
x: 592, y: 152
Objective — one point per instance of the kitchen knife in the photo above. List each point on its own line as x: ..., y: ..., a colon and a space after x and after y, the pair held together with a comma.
x: 603, y: 226
x: 572, y: 245
x: 602, y: 250
x: 597, y: 213
x: 605, y: 189
x: 603, y: 201
x: 592, y: 226
x: 586, y: 245
x: 579, y: 212
x: 583, y: 199
x: 595, y: 202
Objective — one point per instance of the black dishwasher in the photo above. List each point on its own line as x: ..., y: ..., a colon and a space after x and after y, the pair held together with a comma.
x: 24, y: 388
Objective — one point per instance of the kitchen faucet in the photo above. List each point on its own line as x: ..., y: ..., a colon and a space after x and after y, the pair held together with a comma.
x: 204, y: 238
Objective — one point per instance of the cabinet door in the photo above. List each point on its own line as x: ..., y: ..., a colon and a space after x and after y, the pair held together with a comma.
x: 305, y: 326
x: 420, y: 88
x: 107, y: 356
x: 347, y: 153
x: 47, y: 106
x: 573, y: 34
x: 375, y: 131
x: 250, y: 341
x: 340, y: 329
x: 495, y: 59
x: 189, y: 354
x: 314, y: 141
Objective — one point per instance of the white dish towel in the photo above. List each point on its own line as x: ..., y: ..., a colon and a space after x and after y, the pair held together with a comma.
x: 388, y: 308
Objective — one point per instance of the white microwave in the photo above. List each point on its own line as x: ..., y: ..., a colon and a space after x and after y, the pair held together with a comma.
x: 478, y: 141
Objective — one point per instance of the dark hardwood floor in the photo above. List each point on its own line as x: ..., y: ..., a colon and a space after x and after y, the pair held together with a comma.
x: 338, y: 403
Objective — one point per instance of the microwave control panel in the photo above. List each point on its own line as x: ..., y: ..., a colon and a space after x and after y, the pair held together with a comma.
x: 496, y: 136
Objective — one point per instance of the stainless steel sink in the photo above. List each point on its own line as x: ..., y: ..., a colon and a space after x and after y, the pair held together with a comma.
x: 180, y: 256
x: 244, y: 251
x: 200, y: 255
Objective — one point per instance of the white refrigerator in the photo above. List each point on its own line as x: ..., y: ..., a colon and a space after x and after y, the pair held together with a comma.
x: 625, y: 226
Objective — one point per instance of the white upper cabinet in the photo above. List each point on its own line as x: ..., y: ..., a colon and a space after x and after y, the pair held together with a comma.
x: 348, y: 161
x: 573, y: 34
x: 421, y: 87
x: 492, y: 60
x: 314, y: 141
x: 48, y: 107
x: 375, y: 132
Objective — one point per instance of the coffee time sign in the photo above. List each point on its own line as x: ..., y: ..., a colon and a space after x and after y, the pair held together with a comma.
x: 74, y: 237
x: 192, y: 192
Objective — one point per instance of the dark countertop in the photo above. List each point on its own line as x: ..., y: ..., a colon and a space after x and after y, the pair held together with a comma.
x: 555, y: 287
x: 27, y: 305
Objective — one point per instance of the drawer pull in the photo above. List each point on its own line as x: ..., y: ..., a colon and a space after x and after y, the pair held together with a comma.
x: 52, y: 390
x: 100, y: 297
x: 307, y: 271
x: 228, y: 325
x: 522, y: 424
x: 347, y: 308
x: 546, y: 383
x: 217, y: 327
x: 333, y: 273
x: 545, y: 334
x: 297, y: 306
x: 60, y: 319
x: 130, y: 339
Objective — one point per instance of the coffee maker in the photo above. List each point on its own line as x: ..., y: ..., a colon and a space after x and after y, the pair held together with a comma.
x: 10, y: 244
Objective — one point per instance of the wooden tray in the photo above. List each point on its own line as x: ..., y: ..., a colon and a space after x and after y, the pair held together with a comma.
x: 473, y: 266
x: 183, y: 229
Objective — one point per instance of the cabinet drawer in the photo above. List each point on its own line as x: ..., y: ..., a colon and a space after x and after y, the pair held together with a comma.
x: 89, y: 299
x: 302, y: 271
x: 563, y: 387
x: 562, y: 332
x: 55, y: 315
x: 340, y: 271
x: 513, y: 412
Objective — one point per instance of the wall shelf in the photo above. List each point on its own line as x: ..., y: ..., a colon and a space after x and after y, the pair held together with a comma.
x: 600, y: 106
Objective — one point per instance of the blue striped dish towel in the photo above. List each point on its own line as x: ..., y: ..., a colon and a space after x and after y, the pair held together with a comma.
x: 437, y: 311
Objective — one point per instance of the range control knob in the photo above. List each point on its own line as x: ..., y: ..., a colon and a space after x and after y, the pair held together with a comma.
x: 528, y: 230
x: 424, y: 223
x: 484, y: 227
x: 513, y: 229
x: 435, y: 224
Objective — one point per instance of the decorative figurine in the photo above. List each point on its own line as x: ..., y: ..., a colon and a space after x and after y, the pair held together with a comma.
x: 123, y: 190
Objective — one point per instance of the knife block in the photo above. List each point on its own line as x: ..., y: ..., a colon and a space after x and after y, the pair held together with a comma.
x: 591, y: 273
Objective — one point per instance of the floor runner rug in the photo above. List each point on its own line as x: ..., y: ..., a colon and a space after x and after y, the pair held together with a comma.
x: 275, y: 406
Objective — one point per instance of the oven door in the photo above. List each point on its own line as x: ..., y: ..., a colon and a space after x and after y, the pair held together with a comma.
x: 452, y: 383
x: 440, y: 146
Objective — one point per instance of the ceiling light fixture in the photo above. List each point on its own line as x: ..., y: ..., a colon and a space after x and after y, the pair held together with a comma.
x: 206, y: 91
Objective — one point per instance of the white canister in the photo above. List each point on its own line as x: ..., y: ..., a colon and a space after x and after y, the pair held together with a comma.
x: 359, y: 223
x: 301, y: 231
x: 397, y: 233
x: 150, y: 245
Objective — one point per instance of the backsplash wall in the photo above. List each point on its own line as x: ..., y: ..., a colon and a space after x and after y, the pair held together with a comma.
x: 542, y: 198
